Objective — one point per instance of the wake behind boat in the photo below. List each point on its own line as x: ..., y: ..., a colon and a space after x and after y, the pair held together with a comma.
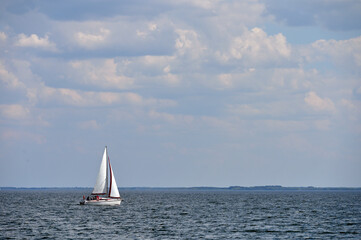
x: 102, y: 195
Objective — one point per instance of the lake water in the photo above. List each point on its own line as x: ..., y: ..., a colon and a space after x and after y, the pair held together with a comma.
x: 41, y: 214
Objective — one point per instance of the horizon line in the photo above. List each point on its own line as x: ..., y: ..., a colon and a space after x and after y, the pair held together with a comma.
x: 235, y: 187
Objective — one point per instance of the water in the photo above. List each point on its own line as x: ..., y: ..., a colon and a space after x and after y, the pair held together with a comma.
x: 41, y: 214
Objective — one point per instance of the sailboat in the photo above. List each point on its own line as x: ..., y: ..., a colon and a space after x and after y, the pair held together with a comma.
x: 102, y: 194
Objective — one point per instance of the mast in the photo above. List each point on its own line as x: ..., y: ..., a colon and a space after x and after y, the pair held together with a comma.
x: 111, y: 177
x: 106, y: 178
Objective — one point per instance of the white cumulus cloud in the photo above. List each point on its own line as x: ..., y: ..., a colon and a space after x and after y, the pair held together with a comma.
x: 36, y: 42
x: 101, y: 73
x: 9, y: 79
x: 188, y: 42
x: 88, y: 40
x: 257, y: 47
x: 14, y: 111
x: 319, y: 104
x: 345, y: 53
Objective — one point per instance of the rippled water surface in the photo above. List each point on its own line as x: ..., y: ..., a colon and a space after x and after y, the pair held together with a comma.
x: 182, y: 215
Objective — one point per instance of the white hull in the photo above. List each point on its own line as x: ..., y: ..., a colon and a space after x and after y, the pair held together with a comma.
x: 102, y: 202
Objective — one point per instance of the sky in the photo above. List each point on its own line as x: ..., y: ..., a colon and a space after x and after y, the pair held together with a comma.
x: 184, y: 93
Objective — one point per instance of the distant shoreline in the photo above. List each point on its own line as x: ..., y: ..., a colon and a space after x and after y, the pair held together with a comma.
x: 231, y: 188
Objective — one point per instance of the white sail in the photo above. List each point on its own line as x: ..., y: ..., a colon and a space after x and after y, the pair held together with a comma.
x: 101, y: 185
x: 113, y: 188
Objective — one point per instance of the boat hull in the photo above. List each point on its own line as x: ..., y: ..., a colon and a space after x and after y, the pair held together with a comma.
x: 102, y: 202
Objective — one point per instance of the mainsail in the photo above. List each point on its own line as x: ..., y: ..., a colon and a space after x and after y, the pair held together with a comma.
x: 101, y: 185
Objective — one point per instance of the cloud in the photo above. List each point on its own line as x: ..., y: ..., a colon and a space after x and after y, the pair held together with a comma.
x: 225, y: 80
x: 21, y: 115
x: 260, y: 79
x: 319, y: 104
x: 232, y: 16
x: 165, y: 33
x: 345, y: 53
x: 206, y: 4
x: 171, y: 79
x: 18, y: 136
x: 77, y: 98
x: 84, y: 10
x: 150, y: 69
x: 3, y: 36
x: 14, y: 111
x: 188, y: 43
x: 352, y: 109
x: 151, y: 27
x: 352, y: 106
x: 171, y: 118
x: 220, y: 123
x: 256, y: 47
x: 91, y: 124
x: 243, y: 109
x: 335, y: 15
x: 291, y: 78
x: 164, y: 116
x: 91, y: 41
x: 323, y: 124
x: 9, y: 79
x: 103, y: 75
x: 100, y: 73
x: 116, y: 37
x: 281, y: 125
x: 36, y: 42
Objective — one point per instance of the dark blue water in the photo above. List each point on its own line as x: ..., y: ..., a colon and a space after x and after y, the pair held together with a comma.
x: 35, y: 214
